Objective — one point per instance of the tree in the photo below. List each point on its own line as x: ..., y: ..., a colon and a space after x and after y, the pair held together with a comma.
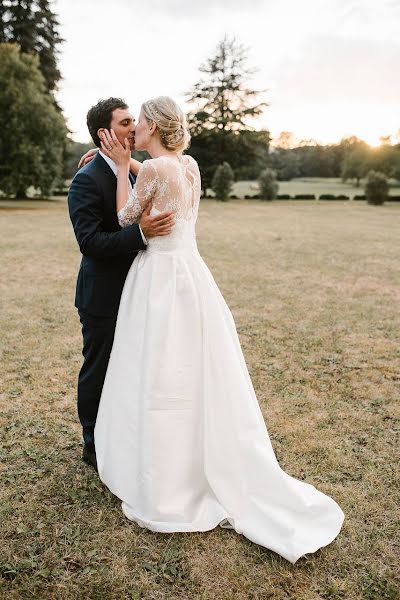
x: 223, y: 99
x: 286, y: 163
x: 33, y: 131
x: 223, y: 103
x: 376, y: 189
x: 396, y: 164
x: 72, y: 155
x: 356, y: 163
x: 385, y: 159
x: 248, y: 153
x: 223, y: 181
x: 268, y: 184
x: 33, y: 25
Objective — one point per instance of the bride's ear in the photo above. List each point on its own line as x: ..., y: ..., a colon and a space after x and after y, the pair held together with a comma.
x: 153, y: 127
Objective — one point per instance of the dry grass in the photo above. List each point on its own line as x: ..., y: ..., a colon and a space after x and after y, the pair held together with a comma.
x: 314, y: 290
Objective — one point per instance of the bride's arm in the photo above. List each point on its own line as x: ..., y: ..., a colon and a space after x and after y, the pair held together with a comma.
x: 141, y: 196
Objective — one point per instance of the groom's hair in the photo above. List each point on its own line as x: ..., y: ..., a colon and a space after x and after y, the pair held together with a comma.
x: 100, y: 116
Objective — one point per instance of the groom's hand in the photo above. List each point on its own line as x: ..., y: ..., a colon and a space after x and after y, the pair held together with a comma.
x: 159, y: 225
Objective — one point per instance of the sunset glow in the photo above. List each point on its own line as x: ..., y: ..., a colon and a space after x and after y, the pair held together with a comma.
x: 328, y: 70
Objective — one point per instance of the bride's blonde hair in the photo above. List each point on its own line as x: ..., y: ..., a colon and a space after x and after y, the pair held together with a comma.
x: 170, y: 121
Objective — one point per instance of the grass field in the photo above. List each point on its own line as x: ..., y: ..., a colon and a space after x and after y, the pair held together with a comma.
x: 315, y: 293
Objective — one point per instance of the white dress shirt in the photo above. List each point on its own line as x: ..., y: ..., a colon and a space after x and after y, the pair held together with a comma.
x: 113, y: 167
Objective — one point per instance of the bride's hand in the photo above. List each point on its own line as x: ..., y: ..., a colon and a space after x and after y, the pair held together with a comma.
x: 86, y: 158
x: 112, y: 148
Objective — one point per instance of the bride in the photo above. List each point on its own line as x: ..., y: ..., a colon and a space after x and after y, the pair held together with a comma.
x: 180, y: 437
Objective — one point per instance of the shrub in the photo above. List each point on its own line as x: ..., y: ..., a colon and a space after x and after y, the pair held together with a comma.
x: 284, y: 196
x: 394, y: 198
x: 233, y: 197
x: 304, y: 197
x: 376, y: 188
x: 359, y: 197
x: 342, y: 197
x: 223, y: 181
x: 268, y: 185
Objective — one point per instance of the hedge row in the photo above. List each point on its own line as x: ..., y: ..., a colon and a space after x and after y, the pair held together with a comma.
x: 321, y: 197
x: 60, y: 192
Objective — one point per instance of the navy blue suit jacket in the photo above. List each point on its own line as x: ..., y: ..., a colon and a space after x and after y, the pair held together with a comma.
x: 107, y: 250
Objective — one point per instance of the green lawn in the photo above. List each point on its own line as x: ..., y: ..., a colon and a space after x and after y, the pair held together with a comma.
x: 314, y: 289
x: 311, y: 185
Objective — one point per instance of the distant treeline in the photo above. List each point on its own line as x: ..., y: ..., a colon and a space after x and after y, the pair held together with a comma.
x: 350, y: 159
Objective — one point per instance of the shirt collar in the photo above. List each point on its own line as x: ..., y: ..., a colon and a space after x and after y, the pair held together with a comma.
x: 110, y: 162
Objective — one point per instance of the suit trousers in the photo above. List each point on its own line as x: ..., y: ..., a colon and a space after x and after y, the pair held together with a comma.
x: 98, y: 337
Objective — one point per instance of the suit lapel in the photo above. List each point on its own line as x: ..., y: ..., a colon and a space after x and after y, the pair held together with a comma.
x: 101, y: 164
x: 106, y: 169
x: 107, y: 180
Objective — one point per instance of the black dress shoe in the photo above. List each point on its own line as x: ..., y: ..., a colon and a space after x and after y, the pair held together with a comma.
x: 89, y: 456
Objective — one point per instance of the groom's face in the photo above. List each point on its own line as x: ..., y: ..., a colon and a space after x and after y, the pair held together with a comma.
x: 124, y: 126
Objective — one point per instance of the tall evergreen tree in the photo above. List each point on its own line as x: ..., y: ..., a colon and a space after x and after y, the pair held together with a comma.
x: 34, y: 27
x: 222, y: 96
x: 223, y: 103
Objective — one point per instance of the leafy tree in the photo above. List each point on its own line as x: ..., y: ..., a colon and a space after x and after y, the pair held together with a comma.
x: 72, y: 155
x: 290, y: 169
x: 396, y: 163
x: 376, y: 188
x: 268, y: 184
x: 223, y: 103
x: 249, y: 153
x: 286, y: 162
x: 33, y: 131
x: 386, y: 158
x: 33, y: 25
x: 356, y: 163
x: 223, y: 181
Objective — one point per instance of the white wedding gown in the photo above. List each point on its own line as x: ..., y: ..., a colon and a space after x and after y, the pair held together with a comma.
x: 180, y: 437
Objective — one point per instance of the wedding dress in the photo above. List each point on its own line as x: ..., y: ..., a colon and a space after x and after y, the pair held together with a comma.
x: 180, y: 437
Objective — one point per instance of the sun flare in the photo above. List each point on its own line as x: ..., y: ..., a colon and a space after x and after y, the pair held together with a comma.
x: 329, y: 124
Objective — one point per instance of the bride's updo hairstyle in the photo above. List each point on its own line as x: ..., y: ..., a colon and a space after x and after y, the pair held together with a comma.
x: 170, y: 121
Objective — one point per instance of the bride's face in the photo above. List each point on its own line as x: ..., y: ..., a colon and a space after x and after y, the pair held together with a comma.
x: 142, y: 133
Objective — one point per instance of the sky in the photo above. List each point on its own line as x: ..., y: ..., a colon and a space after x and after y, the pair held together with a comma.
x: 329, y: 68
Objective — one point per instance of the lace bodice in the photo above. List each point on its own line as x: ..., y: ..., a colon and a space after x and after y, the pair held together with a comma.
x: 170, y: 183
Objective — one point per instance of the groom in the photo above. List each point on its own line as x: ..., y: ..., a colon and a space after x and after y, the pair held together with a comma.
x: 108, y: 252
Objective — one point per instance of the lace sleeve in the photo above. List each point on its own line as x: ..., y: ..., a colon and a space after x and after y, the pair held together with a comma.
x: 143, y: 191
